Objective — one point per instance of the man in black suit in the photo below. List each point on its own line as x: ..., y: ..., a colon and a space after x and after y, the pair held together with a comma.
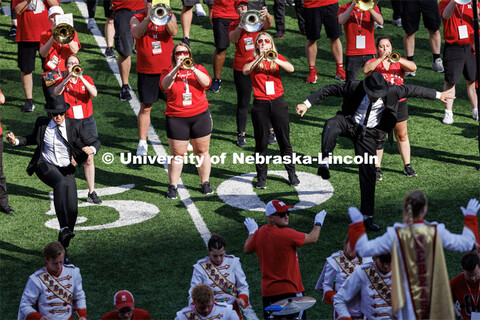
x: 368, y: 113
x: 58, y: 140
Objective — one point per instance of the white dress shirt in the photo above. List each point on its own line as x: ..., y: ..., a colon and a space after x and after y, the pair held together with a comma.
x: 375, y: 114
x: 55, y: 150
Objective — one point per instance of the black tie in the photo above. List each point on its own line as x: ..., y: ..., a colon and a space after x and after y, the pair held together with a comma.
x: 63, y: 138
x: 365, y: 121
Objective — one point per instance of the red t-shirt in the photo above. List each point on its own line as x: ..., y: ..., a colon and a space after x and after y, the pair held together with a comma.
x: 76, y: 94
x: 245, y: 46
x: 359, y: 21
x: 138, y: 314
x: 318, y: 3
x: 132, y: 5
x: 260, y: 78
x: 32, y: 23
x: 154, y: 49
x: 459, y: 26
x: 57, y: 52
x: 224, y: 9
x: 276, y: 249
x: 461, y: 295
x: 186, y: 97
x: 394, y: 75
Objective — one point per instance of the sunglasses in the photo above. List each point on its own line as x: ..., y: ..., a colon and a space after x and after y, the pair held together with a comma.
x: 183, y: 52
x: 282, y: 214
x: 259, y: 41
x: 57, y: 114
x: 125, y: 310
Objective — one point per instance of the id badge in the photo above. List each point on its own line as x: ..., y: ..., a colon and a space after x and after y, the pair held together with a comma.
x: 475, y: 316
x: 269, y: 88
x: 52, y: 64
x: 462, y: 32
x: 77, y: 112
x: 360, y: 43
x: 187, y: 98
x: 248, y: 44
x: 156, y: 47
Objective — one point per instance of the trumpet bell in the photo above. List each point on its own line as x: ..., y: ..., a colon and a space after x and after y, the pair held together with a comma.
x: 188, y: 63
x: 463, y: 1
x: 63, y: 33
x: 77, y: 70
x: 160, y: 14
x: 270, y: 55
x: 366, y: 5
x: 252, y: 21
x: 394, y: 57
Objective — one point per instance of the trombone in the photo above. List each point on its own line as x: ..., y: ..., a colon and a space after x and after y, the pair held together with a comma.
x: 63, y: 33
x: 77, y: 70
x: 160, y: 14
x: 270, y: 55
x: 394, y: 57
x: 252, y: 21
x: 188, y: 63
x: 366, y: 5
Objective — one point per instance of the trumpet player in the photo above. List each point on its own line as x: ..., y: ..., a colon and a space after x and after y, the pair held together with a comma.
x: 458, y: 59
x: 154, y: 45
x: 394, y: 73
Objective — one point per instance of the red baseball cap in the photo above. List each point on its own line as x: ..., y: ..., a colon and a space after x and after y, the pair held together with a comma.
x: 237, y: 2
x: 276, y: 206
x: 123, y: 299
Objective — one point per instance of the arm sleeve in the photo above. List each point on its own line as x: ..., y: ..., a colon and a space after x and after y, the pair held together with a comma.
x: 407, y: 91
x: 328, y: 284
x: 79, y: 299
x: 382, y: 244
x: 241, y: 281
x: 351, y: 287
x: 197, y: 278
x: 456, y: 242
x: 30, y: 295
x: 337, y: 90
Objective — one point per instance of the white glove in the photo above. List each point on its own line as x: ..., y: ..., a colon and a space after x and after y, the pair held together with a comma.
x: 320, y: 217
x: 472, y: 208
x: 251, y: 225
x: 355, y: 214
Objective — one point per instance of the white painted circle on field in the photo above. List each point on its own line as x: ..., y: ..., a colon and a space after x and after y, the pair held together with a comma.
x: 238, y: 191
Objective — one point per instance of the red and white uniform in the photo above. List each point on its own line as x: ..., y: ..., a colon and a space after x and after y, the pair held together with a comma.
x: 186, y: 97
x: 374, y: 304
x: 267, y: 83
x: 58, y: 52
x: 456, y: 30
x: 245, y: 46
x: 138, y: 314
x: 335, y: 271
x: 76, y: 94
x: 318, y: 3
x: 221, y: 311
x: 360, y: 39
x: 465, y: 296
x: 55, y: 297
x: 154, y: 49
x: 135, y: 5
x: 33, y: 21
x: 224, y: 9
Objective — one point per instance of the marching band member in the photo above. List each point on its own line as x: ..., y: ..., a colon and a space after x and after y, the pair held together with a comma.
x: 54, y: 291
x: 269, y: 103
x: 394, y: 73
x: 420, y: 282
x: 465, y: 288
x: 223, y: 273
x: 125, y: 308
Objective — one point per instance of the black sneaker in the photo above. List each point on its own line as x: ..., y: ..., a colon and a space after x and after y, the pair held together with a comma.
x: 261, y: 184
x: 186, y: 40
x: 7, y: 210
x: 323, y: 171
x: 241, y: 142
x: 216, y: 85
x: 110, y: 53
x: 125, y: 93
x: 206, y: 188
x: 279, y: 35
x: 172, y: 192
x: 93, y: 198
x: 13, y: 32
x: 29, y: 106
x: 409, y: 172
x: 293, y: 180
x: 378, y: 174
x: 271, y: 138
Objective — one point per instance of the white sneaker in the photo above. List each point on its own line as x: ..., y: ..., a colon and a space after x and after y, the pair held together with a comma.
x: 475, y: 114
x: 91, y: 23
x: 448, y: 117
x: 142, y: 149
x: 199, y: 10
x: 437, y: 65
x: 190, y: 147
x: 397, y: 22
x: 378, y: 26
x: 410, y: 74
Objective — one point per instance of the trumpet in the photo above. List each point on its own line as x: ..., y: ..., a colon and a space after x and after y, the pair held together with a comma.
x: 160, y: 14
x: 394, y: 57
x: 463, y: 1
x: 188, y: 63
x: 77, y: 70
x: 252, y: 21
x: 270, y: 55
x: 366, y: 5
x: 63, y: 33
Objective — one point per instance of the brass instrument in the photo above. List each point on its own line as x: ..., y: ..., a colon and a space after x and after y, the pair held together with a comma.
x: 252, y: 21
x: 463, y: 1
x: 188, y: 63
x: 160, y: 14
x: 394, y: 57
x: 77, y: 70
x: 366, y: 5
x: 63, y: 33
x: 270, y: 55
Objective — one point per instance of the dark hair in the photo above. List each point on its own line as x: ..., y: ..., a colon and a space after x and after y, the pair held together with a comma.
x: 385, y: 258
x: 174, y: 59
x: 414, y: 203
x: 469, y: 261
x: 72, y: 55
x: 216, y: 242
x: 383, y: 38
x: 53, y: 250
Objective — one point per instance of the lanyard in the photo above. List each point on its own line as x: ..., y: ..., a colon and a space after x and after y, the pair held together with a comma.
x: 460, y: 13
x: 475, y: 303
x: 72, y: 89
x: 359, y: 22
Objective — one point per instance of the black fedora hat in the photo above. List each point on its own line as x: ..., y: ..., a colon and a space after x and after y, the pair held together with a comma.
x: 59, y: 106
x: 375, y: 85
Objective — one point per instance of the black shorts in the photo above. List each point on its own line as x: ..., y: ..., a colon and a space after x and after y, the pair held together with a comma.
x: 191, y: 3
x: 123, y: 37
x: 402, y: 112
x: 220, y: 32
x: 149, y: 89
x: 326, y: 15
x: 27, y: 51
x: 353, y: 64
x: 90, y: 126
x: 190, y: 127
x: 411, y: 15
x: 107, y: 6
x: 458, y: 60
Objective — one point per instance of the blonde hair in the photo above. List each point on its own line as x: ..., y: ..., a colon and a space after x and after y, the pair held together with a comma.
x: 256, y: 53
x: 174, y: 59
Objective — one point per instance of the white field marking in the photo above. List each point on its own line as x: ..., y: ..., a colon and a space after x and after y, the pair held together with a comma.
x: 238, y: 191
x: 151, y: 135
x: 6, y: 10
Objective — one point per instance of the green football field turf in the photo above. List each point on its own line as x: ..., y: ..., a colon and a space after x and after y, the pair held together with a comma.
x: 140, y: 241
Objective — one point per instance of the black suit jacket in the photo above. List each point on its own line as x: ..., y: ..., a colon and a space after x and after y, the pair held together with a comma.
x: 75, y: 135
x: 353, y: 94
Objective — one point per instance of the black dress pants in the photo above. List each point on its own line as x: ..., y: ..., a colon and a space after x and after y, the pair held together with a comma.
x: 279, y: 13
x: 3, y: 182
x: 346, y: 127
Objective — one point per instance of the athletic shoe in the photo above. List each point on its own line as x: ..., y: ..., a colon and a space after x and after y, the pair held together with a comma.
x: 186, y: 40
x: 271, y: 138
x: 410, y: 74
x: 216, y: 85
x: 206, y: 188
x: 279, y: 35
x: 397, y: 22
x: 91, y: 23
x: 199, y: 10
x: 110, y: 53
x: 312, y: 76
x: 340, y: 74
x: 448, y: 117
x: 241, y: 142
x: 409, y: 172
x: 437, y: 65
x: 125, y: 93
x: 29, y: 106
x: 93, y: 198
x: 378, y: 174
x: 293, y: 179
x: 475, y: 114
x: 377, y: 26
x: 171, y: 192
x: 13, y: 32
x: 323, y: 171
x: 142, y: 149
x: 261, y: 184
